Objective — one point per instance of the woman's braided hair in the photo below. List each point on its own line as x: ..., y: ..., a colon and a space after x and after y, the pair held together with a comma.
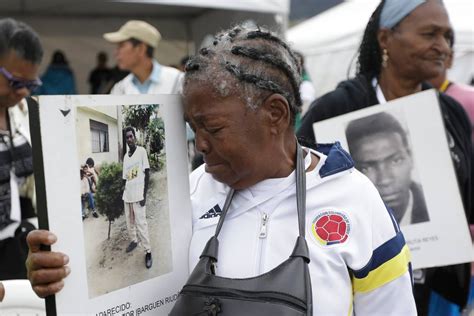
x: 370, y: 55
x: 249, y: 63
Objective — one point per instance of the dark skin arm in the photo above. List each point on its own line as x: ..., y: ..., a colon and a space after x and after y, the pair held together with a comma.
x: 147, y: 178
x: 2, y: 292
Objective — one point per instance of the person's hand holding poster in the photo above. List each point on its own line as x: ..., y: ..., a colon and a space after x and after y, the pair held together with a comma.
x: 112, y: 182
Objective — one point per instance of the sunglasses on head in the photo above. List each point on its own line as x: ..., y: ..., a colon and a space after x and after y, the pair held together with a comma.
x: 18, y: 83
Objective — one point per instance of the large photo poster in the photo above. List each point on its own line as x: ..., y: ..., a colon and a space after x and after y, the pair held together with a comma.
x: 403, y: 148
x: 113, y: 186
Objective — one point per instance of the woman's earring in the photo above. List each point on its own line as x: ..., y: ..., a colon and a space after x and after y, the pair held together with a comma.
x: 384, y: 58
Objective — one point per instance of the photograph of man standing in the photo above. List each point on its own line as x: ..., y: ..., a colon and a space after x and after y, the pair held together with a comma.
x: 379, y: 146
x: 136, y: 173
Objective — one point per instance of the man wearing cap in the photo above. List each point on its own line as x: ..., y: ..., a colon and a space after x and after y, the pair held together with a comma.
x: 136, y: 41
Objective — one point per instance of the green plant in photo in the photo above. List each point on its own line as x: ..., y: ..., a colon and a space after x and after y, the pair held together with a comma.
x: 139, y: 116
x: 156, y: 142
x: 156, y: 135
x: 109, y: 192
x: 156, y: 162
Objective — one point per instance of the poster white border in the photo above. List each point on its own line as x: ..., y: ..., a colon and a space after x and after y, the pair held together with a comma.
x: 59, y: 149
x: 445, y: 238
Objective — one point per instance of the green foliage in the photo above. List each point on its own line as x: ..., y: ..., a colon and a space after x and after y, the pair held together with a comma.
x: 139, y: 116
x: 156, y: 161
x: 109, y: 192
x: 155, y: 135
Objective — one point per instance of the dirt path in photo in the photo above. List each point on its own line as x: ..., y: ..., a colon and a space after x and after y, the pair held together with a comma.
x: 109, y: 267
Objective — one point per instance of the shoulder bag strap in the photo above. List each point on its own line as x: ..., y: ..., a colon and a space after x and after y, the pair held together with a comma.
x: 230, y: 195
x: 300, y: 195
x: 300, y: 189
x: 300, y: 249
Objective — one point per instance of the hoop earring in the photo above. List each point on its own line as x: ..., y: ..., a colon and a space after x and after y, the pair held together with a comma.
x: 384, y: 58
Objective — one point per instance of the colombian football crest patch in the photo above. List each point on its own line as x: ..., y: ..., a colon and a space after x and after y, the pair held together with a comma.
x: 330, y: 228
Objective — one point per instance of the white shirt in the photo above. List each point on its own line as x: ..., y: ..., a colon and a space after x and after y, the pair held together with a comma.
x: 85, y: 186
x: 381, y: 284
x: 168, y: 80
x: 134, y: 173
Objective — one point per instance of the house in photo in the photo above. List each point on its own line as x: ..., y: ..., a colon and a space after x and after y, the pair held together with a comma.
x: 99, y: 134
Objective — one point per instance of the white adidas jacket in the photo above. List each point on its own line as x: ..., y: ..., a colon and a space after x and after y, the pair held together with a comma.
x: 359, y: 260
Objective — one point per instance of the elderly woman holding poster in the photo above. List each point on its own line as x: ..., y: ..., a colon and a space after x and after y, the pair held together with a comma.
x: 405, y: 43
x: 243, y: 119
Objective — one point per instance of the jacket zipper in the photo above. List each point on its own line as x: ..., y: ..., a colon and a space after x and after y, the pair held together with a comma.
x: 263, y: 226
x: 278, y: 298
x: 261, y: 242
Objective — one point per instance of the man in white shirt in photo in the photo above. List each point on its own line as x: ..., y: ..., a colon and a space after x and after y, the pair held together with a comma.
x: 136, y: 173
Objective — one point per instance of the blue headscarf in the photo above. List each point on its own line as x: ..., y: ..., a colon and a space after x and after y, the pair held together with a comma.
x: 394, y: 11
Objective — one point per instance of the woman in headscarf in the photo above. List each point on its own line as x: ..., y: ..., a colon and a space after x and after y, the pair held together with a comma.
x: 241, y: 96
x: 405, y: 43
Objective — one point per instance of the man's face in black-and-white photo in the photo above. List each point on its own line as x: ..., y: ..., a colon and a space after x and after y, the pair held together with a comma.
x: 386, y: 161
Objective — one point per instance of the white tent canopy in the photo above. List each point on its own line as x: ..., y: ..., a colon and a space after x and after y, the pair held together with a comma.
x: 76, y: 26
x: 275, y: 6
x: 330, y: 40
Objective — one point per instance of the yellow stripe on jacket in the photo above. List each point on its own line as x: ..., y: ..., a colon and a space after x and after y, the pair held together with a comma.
x: 385, y: 273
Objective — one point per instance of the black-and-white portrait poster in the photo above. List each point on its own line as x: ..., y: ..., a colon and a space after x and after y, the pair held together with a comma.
x: 403, y: 148
x: 112, y: 183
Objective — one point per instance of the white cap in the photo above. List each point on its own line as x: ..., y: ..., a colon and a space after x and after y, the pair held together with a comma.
x: 139, y: 30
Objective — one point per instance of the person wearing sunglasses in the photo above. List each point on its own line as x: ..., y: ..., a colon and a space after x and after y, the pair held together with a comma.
x: 20, y: 56
x: 19, y: 83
